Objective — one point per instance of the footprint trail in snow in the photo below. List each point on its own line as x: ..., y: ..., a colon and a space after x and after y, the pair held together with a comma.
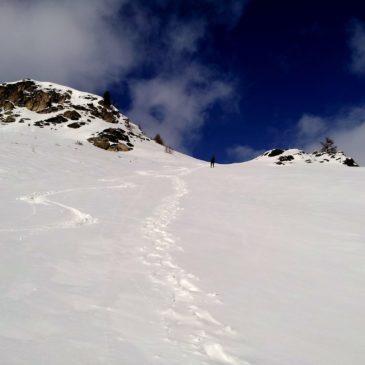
x: 78, y: 218
x: 188, y: 325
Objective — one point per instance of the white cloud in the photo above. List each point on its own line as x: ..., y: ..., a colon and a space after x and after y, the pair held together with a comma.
x: 73, y: 42
x: 352, y: 142
x: 347, y: 128
x: 357, y: 44
x: 241, y: 153
x: 175, y: 105
x: 310, y: 126
x: 185, y: 37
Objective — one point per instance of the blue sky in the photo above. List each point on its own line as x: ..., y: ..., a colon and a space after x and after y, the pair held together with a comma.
x: 231, y: 78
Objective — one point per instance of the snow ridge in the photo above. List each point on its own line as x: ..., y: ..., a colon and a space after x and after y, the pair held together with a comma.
x: 290, y: 156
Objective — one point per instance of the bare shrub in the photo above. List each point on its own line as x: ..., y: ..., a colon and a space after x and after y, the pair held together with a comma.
x: 328, y: 146
x: 158, y: 139
x: 168, y: 149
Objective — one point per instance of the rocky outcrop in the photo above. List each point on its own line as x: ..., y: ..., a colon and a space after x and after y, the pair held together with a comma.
x: 26, y: 94
x: 76, y: 125
x: 119, y: 147
x: 8, y: 105
x: 112, y: 139
x: 9, y: 119
x: 72, y: 114
x: 58, y: 119
x: 28, y: 102
x: 100, y: 142
x: 350, y: 162
x: 274, y: 152
x: 291, y: 156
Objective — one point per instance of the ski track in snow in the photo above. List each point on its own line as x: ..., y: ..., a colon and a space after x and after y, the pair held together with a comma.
x: 183, y: 315
x: 78, y: 219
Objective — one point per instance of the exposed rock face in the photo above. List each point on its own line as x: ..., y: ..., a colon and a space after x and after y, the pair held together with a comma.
x: 26, y: 94
x: 274, y: 152
x: 28, y: 102
x: 100, y: 142
x: 9, y: 119
x: 285, y: 157
x: 54, y: 120
x: 76, y: 125
x: 115, y: 135
x: 350, y: 162
x: 8, y: 105
x: 72, y: 114
x: 119, y: 147
x: 112, y: 139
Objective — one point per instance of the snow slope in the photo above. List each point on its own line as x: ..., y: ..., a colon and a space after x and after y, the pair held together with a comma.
x: 150, y: 258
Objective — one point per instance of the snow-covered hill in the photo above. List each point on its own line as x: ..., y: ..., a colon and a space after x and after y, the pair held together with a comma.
x: 295, y: 156
x: 68, y: 112
x: 145, y: 257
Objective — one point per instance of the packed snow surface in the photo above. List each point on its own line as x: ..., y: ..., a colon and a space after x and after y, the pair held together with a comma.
x: 147, y: 257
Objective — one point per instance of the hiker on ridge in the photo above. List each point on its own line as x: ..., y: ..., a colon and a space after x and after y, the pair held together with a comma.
x: 212, y: 161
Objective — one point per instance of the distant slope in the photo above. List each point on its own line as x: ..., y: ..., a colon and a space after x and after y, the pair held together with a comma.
x: 295, y: 156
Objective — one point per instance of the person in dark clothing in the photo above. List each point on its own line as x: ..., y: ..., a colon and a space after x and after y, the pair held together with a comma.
x: 212, y: 161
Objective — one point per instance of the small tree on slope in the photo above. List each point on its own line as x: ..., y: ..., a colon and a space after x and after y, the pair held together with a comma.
x: 328, y: 146
x: 158, y: 139
x: 107, y: 99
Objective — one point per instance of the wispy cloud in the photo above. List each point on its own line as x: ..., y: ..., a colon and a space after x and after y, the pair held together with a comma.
x: 175, y: 105
x: 310, y: 126
x: 240, y: 153
x: 79, y: 43
x: 357, y: 45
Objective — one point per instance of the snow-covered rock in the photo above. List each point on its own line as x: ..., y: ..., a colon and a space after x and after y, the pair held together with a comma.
x: 75, y: 114
x: 292, y: 156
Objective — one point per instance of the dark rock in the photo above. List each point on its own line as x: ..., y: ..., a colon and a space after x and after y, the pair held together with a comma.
x: 9, y: 119
x: 108, y: 116
x: 58, y: 119
x: 27, y: 94
x: 119, y: 147
x: 41, y: 123
x: 115, y: 134
x: 286, y: 158
x: 8, y: 105
x: 350, y: 162
x: 76, y: 125
x: 100, y: 142
x: 117, y: 139
x: 275, y: 152
x: 80, y: 107
x: 72, y: 114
